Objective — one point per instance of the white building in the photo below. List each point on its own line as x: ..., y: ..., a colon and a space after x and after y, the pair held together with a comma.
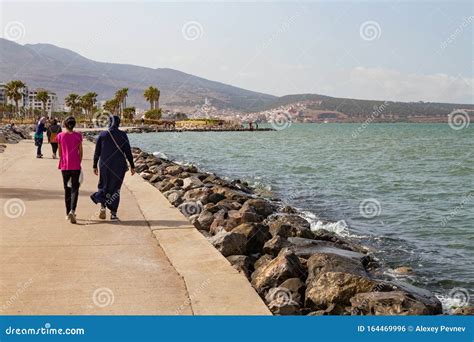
x: 22, y: 103
x: 51, y: 106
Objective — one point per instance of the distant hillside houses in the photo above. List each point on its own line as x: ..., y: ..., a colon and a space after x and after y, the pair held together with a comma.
x: 29, y: 101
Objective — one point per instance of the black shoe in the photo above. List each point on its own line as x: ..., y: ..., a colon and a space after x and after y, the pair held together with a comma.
x: 114, y: 217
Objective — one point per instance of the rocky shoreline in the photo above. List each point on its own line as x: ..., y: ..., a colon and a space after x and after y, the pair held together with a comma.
x: 10, y: 135
x: 296, y: 271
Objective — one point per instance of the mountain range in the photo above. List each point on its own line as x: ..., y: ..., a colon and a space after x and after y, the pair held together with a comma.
x: 64, y: 71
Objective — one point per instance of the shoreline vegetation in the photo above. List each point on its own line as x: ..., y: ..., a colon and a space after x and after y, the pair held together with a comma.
x: 296, y: 271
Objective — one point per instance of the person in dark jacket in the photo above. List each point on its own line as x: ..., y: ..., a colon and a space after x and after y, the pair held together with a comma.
x: 40, y: 129
x: 53, y: 130
x: 112, y: 150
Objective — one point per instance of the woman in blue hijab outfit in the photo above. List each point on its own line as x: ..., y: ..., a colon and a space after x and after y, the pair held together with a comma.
x: 112, y: 150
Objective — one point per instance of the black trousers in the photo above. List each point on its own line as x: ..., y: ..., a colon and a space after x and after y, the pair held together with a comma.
x: 38, y: 144
x: 54, y: 147
x: 71, y: 194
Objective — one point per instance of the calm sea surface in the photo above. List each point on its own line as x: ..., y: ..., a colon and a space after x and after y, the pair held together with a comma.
x: 407, y: 190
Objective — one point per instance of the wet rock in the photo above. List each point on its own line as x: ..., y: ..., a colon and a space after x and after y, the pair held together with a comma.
x: 289, y: 226
x: 275, y: 245
x: 191, y: 183
x: 241, y: 263
x: 229, y: 243
x: 285, y: 266
x: 325, y: 235
x: 387, y: 303
x: 306, y: 247
x: 255, y: 234
x: 288, y: 210
x: 228, y: 204
x: 424, y: 296
x: 403, y: 270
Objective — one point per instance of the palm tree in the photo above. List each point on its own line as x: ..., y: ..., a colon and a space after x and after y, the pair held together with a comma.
x: 42, y: 96
x: 88, y: 101
x: 111, y: 105
x: 12, y: 91
x: 121, y: 97
x: 152, y: 95
x: 73, y: 101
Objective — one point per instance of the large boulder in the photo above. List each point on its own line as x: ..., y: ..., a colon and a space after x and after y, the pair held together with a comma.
x: 325, y: 235
x: 256, y: 235
x: 296, y: 286
x: 198, y: 194
x: 387, y: 303
x: 336, y: 288
x: 289, y: 226
x: 424, y: 296
x: 305, y: 248
x: 190, y: 208
x: 285, y: 266
x: 260, y: 206
x: 321, y: 263
x: 191, y: 183
x: 275, y: 245
x: 263, y: 261
x: 205, y: 220
x: 229, y: 243
x: 173, y: 170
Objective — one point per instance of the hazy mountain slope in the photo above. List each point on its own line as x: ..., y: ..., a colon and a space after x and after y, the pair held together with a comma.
x: 64, y: 71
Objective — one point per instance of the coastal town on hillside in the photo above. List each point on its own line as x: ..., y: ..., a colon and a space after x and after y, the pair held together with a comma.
x: 23, y: 101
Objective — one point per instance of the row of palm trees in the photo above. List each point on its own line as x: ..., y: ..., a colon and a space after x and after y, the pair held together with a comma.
x: 86, y: 103
x: 14, y: 91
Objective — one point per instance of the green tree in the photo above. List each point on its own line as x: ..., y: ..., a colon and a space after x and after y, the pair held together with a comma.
x: 12, y: 91
x: 111, y: 105
x: 129, y: 112
x: 73, y: 101
x: 121, y: 97
x: 88, y: 102
x: 152, y: 95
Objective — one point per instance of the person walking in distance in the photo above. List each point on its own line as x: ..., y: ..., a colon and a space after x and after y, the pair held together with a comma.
x: 112, y: 151
x: 39, y: 130
x: 53, y: 130
x: 70, y: 159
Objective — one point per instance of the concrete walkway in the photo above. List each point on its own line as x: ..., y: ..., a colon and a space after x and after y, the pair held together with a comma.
x: 153, y: 262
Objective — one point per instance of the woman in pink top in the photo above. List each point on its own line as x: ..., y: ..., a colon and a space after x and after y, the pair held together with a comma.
x: 70, y: 158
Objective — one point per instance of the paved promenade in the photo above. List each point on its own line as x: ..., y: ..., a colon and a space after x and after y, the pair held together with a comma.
x: 152, y: 262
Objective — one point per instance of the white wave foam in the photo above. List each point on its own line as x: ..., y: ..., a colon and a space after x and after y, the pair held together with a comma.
x: 339, y: 227
x: 160, y: 155
x: 449, y: 303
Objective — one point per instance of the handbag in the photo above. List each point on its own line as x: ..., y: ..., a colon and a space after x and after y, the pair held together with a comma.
x: 81, y: 179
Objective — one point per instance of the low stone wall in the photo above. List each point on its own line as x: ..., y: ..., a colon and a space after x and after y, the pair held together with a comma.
x: 12, y: 135
x: 295, y: 270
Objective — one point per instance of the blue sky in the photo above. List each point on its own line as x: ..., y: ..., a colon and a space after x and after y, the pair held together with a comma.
x: 391, y: 50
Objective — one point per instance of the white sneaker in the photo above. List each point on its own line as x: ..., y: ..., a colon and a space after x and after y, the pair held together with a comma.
x: 72, y: 217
